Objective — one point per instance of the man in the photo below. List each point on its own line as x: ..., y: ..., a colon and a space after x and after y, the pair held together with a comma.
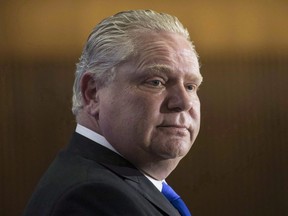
x: 138, y: 114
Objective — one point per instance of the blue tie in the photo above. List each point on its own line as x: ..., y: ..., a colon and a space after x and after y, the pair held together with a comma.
x: 175, y: 200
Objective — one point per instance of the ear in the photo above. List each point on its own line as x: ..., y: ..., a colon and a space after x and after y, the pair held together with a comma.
x: 90, y: 97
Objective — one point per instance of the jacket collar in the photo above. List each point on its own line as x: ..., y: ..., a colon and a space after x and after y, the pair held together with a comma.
x: 121, y: 167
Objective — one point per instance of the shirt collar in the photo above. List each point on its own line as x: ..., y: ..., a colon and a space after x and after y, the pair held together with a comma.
x: 92, y: 135
x: 156, y: 183
x: 101, y: 140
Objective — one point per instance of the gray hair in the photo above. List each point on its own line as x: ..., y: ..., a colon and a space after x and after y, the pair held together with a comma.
x: 112, y: 42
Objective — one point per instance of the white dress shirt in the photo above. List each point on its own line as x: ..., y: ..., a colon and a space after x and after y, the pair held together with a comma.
x: 92, y: 135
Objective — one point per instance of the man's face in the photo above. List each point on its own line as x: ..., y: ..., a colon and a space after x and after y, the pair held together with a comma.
x: 151, y: 110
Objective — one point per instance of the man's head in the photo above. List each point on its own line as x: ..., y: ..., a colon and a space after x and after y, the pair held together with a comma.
x: 115, y: 40
x: 136, y: 84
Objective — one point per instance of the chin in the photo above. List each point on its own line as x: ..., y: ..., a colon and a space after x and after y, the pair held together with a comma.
x: 178, y: 151
x: 171, y: 148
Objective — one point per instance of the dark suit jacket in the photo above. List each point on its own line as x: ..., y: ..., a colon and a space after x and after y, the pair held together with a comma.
x: 88, y: 179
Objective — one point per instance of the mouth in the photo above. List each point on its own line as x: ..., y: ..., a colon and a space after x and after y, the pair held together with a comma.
x: 172, y: 126
x: 174, y: 129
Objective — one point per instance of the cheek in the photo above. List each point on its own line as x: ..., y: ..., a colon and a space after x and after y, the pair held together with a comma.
x: 130, y: 111
x: 142, y: 115
x: 141, y: 105
x: 196, y: 109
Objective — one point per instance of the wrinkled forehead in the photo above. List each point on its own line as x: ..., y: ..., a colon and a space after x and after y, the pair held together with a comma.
x: 169, y: 49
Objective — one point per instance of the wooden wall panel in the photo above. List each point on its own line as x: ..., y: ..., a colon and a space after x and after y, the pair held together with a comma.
x: 238, y: 165
x: 35, y: 123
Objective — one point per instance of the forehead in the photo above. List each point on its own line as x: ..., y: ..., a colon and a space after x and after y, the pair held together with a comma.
x: 170, y: 49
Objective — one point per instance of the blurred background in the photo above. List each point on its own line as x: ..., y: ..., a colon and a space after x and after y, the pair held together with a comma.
x: 238, y: 165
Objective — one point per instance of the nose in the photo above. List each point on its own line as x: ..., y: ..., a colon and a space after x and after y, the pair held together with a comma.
x: 180, y: 99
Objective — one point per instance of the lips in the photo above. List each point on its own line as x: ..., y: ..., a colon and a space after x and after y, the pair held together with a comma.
x: 174, y: 126
x: 174, y: 129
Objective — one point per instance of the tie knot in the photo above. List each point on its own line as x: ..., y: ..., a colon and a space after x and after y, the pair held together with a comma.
x: 169, y: 193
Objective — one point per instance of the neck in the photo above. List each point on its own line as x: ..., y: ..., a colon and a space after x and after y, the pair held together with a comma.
x: 158, y: 170
x: 88, y: 121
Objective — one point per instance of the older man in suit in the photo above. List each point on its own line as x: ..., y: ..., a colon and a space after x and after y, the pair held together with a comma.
x: 138, y: 114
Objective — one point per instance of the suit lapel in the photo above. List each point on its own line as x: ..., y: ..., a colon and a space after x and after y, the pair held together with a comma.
x: 143, y: 186
x: 151, y: 193
x: 120, y: 166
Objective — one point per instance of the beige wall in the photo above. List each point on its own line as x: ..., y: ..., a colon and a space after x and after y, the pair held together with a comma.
x: 59, y: 28
x: 238, y: 165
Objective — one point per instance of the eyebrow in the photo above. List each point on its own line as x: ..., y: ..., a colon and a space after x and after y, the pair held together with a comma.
x: 161, y: 68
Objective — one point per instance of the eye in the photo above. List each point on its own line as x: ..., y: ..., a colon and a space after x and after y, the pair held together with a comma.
x: 156, y: 83
x: 192, y: 87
